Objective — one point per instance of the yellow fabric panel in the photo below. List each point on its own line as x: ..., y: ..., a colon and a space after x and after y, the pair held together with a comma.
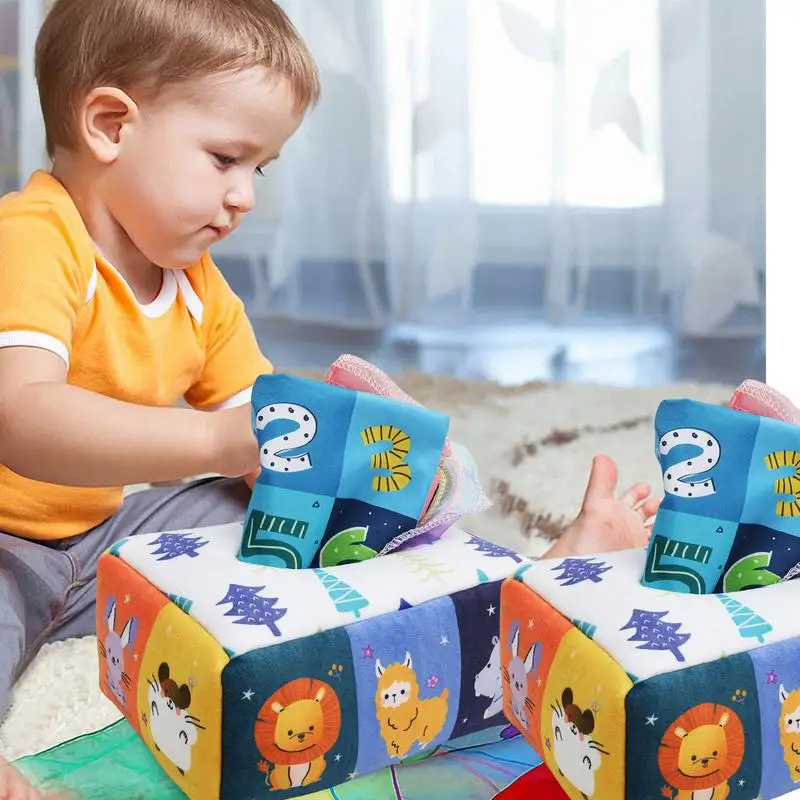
x: 583, y: 720
x: 180, y: 702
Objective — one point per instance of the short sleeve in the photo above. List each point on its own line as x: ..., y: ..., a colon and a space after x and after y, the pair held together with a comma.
x: 43, y: 284
x: 233, y: 358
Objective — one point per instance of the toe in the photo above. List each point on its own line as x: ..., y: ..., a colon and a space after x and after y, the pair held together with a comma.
x: 638, y: 492
x: 650, y: 507
x: 602, y: 480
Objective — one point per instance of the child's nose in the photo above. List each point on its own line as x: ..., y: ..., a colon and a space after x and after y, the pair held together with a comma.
x: 241, y: 196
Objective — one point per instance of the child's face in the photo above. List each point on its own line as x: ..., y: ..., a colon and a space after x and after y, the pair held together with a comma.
x: 183, y: 175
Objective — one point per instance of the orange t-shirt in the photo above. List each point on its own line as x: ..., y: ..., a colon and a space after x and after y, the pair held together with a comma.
x: 57, y: 293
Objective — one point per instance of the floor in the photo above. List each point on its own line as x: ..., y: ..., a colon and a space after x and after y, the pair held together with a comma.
x: 516, y: 354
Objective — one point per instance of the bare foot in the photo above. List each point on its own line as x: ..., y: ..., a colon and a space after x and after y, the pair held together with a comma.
x: 606, y: 523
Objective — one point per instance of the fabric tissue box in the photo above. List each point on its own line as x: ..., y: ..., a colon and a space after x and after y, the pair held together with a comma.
x: 674, y: 671
x: 248, y: 681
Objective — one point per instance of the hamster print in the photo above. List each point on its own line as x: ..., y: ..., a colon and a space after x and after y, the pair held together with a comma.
x: 173, y: 729
x: 578, y: 756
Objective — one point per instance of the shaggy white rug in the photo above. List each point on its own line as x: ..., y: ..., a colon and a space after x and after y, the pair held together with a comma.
x: 533, y: 446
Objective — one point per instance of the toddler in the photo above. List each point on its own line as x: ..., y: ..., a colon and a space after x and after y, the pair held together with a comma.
x: 159, y: 116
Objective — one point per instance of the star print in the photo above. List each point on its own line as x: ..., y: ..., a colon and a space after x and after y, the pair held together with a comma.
x: 464, y: 721
x: 135, y: 656
x: 191, y: 682
x: 248, y: 695
x: 772, y: 677
x: 491, y: 610
x: 651, y: 720
x: 444, y: 640
x: 741, y: 781
x: 337, y: 757
x: 530, y: 624
x: 539, y: 682
x: 352, y: 775
x: 368, y: 651
x: 127, y: 600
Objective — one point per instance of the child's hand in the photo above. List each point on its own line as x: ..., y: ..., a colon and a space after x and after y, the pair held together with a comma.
x: 606, y: 523
x: 234, y: 446
x: 14, y: 786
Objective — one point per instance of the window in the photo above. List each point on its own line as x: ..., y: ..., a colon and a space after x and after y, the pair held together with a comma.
x: 561, y: 99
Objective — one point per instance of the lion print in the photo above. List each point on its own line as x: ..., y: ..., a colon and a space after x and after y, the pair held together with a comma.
x: 294, y: 730
x: 701, y: 751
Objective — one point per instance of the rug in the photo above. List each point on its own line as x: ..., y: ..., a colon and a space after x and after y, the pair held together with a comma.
x: 533, y: 445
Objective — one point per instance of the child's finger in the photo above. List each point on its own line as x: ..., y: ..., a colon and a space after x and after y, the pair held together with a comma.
x: 634, y: 496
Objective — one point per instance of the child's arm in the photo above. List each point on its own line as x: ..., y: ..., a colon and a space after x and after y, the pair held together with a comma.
x: 54, y: 432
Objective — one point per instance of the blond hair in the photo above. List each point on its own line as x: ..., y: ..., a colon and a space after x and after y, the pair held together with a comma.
x: 149, y: 44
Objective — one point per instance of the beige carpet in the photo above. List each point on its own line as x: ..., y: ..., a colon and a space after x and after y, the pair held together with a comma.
x: 533, y: 446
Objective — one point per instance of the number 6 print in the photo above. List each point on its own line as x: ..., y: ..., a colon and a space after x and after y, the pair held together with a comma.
x: 270, y: 455
x: 674, y: 476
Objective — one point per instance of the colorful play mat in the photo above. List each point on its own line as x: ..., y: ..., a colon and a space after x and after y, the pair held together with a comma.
x: 114, y: 762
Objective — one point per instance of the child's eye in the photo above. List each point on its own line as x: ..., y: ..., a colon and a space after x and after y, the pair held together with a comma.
x: 224, y: 161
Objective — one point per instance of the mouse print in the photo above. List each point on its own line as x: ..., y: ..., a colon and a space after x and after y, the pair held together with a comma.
x: 577, y: 754
x: 173, y: 728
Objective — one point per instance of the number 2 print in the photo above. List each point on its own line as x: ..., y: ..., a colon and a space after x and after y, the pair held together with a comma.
x: 676, y: 477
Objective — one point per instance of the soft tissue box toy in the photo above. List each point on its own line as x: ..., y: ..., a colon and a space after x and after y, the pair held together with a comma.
x: 674, y: 672
x: 253, y: 681
x: 343, y: 472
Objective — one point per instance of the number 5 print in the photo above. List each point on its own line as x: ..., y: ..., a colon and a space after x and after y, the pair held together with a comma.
x: 661, y: 548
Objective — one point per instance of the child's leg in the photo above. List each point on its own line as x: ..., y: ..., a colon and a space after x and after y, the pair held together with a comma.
x: 34, y: 582
x: 214, y: 501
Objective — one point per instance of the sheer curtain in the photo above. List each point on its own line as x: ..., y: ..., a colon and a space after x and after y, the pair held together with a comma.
x: 9, y: 93
x: 559, y: 160
x: 477, y: 161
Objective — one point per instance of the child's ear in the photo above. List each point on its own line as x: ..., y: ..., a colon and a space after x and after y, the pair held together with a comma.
x: 105, y: 112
